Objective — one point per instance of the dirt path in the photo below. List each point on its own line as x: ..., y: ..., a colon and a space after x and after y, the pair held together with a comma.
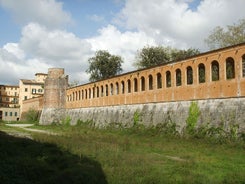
x: 26, y: 128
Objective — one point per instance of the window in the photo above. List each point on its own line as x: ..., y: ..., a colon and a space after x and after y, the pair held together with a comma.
x: 26, y: 89
x: 142, y: 83
x: 122, y: 86
x: 243, y: 65
x: 79, y: 95
x: 6, y: 113
x: 189, y: 72
x: 102, y: 91
x: 178, y: 77
x: 135, y: 85
x: 111, y: 92
x: 98, y: 91
x: 15, y: 114
x: 106, y: 90
x: 159, y: 81
x: 150, y: 79
x: 86, y: 93
x: 129, y: 86
x: 40, y: 90
x: 215, y: 70
x: 117, y: 88
x: 168, y: 79
x: 10, y: 113
x: 201, y: 73
x: 82, y: 94
x: 25, y: 97
x: 230, y: 68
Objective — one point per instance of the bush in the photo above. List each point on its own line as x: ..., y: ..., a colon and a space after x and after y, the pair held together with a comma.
x: 31, y: 115
x: 192, y: 118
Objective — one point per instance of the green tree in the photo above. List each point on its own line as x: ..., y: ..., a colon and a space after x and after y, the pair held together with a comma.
x: 177, y: 55
x: 220, y: 37
x: 104, y: 65
x: 152, y: 56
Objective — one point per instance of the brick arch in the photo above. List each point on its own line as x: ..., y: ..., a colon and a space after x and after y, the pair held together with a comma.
x: 168, y: 78
x: 178, y: 77
x: 159, y: 80
x: 206, y: 68
x: 201, y: 73
x: 135, y: 85
x: 230, y: 68
x: 189, y: 75
x: 150, y: 82
x: 215, y: 70
x: 142, y: 83
x: 243, y: 65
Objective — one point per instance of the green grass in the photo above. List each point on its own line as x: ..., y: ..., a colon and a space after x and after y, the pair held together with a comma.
x: 128, y: 156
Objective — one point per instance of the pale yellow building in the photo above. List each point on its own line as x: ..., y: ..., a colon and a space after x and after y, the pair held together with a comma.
x: 9, y: 103
x: 31, y: 88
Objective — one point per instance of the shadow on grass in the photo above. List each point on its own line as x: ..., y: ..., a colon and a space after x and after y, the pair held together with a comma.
x: 26, y: 161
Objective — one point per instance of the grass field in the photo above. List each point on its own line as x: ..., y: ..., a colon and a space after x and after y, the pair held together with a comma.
x: 80, y: 154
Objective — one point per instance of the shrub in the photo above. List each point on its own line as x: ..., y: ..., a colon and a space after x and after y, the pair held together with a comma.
x: 192, y: 118
x: 31, y: 115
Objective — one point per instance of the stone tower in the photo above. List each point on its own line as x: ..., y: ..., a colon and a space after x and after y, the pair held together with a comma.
x: 54, y: 99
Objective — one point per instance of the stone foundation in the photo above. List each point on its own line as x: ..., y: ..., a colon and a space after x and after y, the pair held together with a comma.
x: 214, y: 111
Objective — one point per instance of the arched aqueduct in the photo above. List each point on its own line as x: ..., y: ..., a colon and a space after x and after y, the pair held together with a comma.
x: 215, y: 74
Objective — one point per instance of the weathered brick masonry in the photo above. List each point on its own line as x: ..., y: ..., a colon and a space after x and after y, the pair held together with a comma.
x: 216, y: 80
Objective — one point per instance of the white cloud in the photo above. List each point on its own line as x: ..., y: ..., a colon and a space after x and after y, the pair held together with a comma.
x: 40, y: 49
x: 124, y: 44
x: 174, y: 23
x: 45, y: 12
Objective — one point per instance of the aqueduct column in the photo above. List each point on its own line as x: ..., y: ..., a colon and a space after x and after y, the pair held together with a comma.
x: 54, y: 99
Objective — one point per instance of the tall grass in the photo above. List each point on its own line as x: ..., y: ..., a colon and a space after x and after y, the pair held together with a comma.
x: 128, y: 156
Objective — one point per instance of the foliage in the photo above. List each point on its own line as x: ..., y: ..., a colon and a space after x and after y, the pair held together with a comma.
x: 32, y: 162
x: 31, y: 115
x: 192, y: 118
x: 66, y: 121
x: 156, y: 55
x: 125, y: 157
x: 104, y: 65
x: 220, y: 37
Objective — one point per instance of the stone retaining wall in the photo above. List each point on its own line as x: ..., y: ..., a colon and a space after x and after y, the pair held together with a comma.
x: 214, y: 111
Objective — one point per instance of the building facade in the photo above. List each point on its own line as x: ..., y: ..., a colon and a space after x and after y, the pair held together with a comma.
x: 9, y: 103
x: 31, y: 88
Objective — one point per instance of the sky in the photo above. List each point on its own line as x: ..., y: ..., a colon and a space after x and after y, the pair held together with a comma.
x: 39, y: 34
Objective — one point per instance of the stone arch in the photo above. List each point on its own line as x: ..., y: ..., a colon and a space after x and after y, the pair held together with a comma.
x: 135, y: 85
x: 142, y: 81
x: 201, y: 73
x: 178, y: 77
x: 230, y: 68
x: 150, y: 80
x: 215, y: 70
x: 189, y: 74
x: 159, y: 80
x: 168, y: 79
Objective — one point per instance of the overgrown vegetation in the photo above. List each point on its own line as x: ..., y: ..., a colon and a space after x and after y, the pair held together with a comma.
x: 202, y: 153
x: 31, y: 115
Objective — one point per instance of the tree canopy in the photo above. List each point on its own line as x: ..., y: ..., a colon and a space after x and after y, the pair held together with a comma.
x: 220, y: 37
x: 156, y: 55
x: 104, y: 65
